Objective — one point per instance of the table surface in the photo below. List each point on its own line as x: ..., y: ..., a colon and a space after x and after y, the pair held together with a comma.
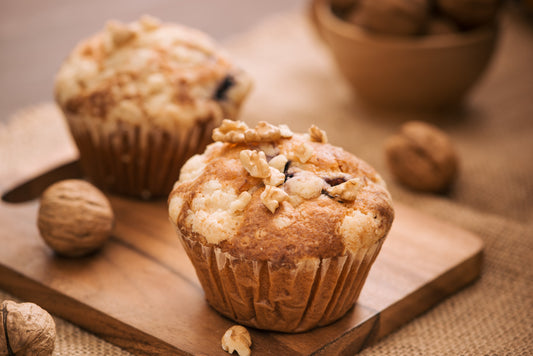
x: 35, y: 36
x: 492, y: 197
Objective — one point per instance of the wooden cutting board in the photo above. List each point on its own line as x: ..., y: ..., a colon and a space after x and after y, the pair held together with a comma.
x: 141, y: 292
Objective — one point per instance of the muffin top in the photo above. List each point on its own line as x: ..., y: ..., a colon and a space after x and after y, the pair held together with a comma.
x: 149, y: 72
x: 269, y: 194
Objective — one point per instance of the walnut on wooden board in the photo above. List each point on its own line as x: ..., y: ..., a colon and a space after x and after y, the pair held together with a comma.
x: 422, y: 157
x: 75, y: 218
x: 237, y: 338
x: 26, y: 330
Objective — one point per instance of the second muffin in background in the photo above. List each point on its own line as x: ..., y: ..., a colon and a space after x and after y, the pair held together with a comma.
x: 141, y: 98
x: 281, y: 228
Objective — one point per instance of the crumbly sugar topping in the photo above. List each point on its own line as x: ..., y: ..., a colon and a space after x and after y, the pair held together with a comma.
x: 148, y: 71
x: 305, y: 184
x: 298, y: 177
x: 241, y: 202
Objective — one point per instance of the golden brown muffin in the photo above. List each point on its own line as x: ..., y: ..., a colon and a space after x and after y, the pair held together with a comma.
x: 141, y: 98
x: 281, y: 228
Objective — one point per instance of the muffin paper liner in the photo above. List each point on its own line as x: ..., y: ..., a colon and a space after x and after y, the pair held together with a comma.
x: 132, y: 159
x: 314, y: 292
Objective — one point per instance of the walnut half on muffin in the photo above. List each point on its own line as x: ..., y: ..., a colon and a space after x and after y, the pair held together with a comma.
x: 141, y: 98
x: 281, y: 228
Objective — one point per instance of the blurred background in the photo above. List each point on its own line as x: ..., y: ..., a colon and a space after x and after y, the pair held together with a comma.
x: 35, y: 36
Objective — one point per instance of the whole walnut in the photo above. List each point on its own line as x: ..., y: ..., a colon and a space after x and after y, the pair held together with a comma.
x: 470, y: 13
x: 392, y: 17
x: 422, y: 157
x: 342, y: 5
x: 26, y: 330
x: 75, y: 218
x: 441, y: 26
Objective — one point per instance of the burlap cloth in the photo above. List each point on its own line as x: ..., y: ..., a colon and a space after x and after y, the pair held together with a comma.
x: 297, y: 83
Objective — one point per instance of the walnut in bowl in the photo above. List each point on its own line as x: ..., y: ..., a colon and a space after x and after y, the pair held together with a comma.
x: 406, y: 72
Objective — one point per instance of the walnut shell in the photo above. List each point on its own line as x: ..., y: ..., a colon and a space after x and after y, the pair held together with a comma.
x: 75, y: 218
x: 441, y: 25
x: 26, y: 330
x: 470, y: 13
x: 422, y: 157
x: 392, y: 17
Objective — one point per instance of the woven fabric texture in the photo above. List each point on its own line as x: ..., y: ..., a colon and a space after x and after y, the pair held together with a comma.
x: 296, y: 82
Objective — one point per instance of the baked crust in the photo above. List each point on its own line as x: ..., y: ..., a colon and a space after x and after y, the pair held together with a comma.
x: 147, y: 72
x: 329, y: 202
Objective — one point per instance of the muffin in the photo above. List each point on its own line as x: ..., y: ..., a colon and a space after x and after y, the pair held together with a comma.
x: 141, y: 98
x: 281, y: 228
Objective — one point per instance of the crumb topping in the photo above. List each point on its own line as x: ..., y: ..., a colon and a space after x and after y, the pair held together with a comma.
x: 148, y: 71
x: 282, y: 190
x: 305, y: 184
x: 241, y: 202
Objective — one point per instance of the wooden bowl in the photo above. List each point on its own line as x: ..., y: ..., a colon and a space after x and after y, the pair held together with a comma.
x: 413, y: 73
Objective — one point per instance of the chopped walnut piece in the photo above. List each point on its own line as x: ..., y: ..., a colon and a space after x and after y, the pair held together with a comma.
x: 318, y: 135
x: 239, y: 132
x: 120, y: 33
x: 347, y: 190
x: 278, y: 162
x: 255, y: 163
x: 230, y: 131
x: 285, y: 131
x: 303, y: 152
x: 149, y: 22
x: 276, y: 177
x: 241, y: 202
x: 295, y: 200
x: 272, y: 197
x: 270, y: 148
x: 263, y: 132
x: 237, y: 338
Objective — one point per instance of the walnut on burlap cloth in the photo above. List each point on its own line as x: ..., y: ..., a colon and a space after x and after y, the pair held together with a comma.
x: 297, y: 83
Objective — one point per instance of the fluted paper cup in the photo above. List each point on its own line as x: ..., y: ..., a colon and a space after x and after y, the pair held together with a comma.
x: 287, y: 298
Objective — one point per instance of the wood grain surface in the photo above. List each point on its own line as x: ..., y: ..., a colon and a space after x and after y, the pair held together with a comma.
x: 140, y: 291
